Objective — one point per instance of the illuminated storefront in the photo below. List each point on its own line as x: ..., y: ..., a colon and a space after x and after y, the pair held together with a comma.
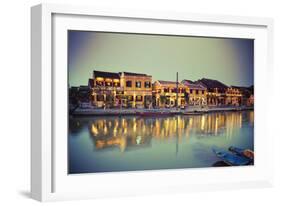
x: 106, y: 90
x: 137, y: 89
x: 197, y: 94
x: 165, y: 94
x: 219, y: 94
x: 123, y: 89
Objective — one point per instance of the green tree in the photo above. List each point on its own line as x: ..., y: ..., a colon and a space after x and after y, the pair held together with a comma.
x: 186, y: 97
x: 163, y: 99
x: 109, y: 101
x: 147, y: 101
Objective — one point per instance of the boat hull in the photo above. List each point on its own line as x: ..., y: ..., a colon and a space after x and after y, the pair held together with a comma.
x: 231, y: 159
x: 242, y: 152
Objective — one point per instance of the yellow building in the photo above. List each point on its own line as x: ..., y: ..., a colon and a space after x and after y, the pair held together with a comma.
x: 123, y: 89
x: 197, y: 94
x: 233, y: 96
x: 137, y: 89
x: 219, y: 94
x: 247, y: 95
x: 106, y: 90
x: 165, y: 94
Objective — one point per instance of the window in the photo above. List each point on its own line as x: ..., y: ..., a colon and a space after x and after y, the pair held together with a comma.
x: 180, y: 90
x: 190, y: 91
x: 128, y: 83
x: 138, y: 84
x: 138, y: 98
x: 197, y: 91
x: 166, y: 89
x: 108, y: 84
x: 99, y: 83
x: 116, y: 84
x: 119, y: 92
x: 100, y: 97
x: 174, y: 90
x: 147, y: 84
x: 130, y: 98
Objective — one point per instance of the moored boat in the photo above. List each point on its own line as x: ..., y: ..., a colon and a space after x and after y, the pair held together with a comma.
x: 231, y: 159
x: 242, y: 152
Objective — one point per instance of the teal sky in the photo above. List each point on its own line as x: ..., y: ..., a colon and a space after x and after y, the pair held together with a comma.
x: 227, y: 60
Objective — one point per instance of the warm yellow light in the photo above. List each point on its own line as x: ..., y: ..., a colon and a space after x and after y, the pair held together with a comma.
x: 99, y: 79
x: 203, y: 122
x: 100, y: 144
x: 108, y: 80
x: 123, y: 144
x: 94, y: 130
x: 105, y: 130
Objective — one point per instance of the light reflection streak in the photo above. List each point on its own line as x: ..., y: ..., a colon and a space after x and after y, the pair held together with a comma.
x: 132, y: 132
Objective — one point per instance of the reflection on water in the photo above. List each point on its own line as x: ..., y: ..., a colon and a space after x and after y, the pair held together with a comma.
x: 96, y: 144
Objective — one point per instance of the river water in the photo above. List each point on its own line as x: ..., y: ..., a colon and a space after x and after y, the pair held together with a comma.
x: 130, y: 143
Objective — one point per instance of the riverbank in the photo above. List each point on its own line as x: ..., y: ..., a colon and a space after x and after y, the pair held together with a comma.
x: 191, y: 110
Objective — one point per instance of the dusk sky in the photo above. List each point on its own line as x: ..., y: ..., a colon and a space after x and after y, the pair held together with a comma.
x: 230, y: 61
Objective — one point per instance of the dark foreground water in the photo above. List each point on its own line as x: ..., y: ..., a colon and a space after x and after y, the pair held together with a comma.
x: 106, y: 144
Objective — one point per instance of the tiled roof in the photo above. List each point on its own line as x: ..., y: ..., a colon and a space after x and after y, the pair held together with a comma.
x: 166, y: 82
x: 163, y: 82
x: 250, y: 88
x: 193, y: 85
x: 187, y: 81
x: 132, y: 74
x: 211, y: 83
x: 106, y: 74
x: 246, y: 91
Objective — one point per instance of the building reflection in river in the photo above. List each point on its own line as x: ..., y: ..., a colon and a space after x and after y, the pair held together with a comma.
x: 129, y: 133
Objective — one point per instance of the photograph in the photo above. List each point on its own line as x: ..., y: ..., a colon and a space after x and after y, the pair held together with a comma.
x: 140, y: 102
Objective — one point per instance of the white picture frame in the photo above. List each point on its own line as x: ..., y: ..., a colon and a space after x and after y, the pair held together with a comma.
x: 49, y: 180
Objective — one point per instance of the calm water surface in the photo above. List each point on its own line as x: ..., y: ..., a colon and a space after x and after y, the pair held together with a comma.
x: 106, y: 144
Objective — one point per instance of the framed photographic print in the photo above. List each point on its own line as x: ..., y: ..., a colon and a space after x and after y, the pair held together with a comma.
x: 134, y: 102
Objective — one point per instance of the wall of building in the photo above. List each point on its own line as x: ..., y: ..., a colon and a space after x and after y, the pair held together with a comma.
x: 137, y: 90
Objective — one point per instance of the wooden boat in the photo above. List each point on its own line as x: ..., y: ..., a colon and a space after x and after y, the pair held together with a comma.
x: 242, y: 152
x: 231, y: 159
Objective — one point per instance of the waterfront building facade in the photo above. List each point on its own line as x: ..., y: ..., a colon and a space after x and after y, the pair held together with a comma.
x: 219, y: 94
x: 247, y: 95
x: 216, y: 91
x: 197, y: 93
x: 165, y: 94
x: 122, y: 89
x: 233, y: 96
x: 137, y: 89
x: 106, y: 89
